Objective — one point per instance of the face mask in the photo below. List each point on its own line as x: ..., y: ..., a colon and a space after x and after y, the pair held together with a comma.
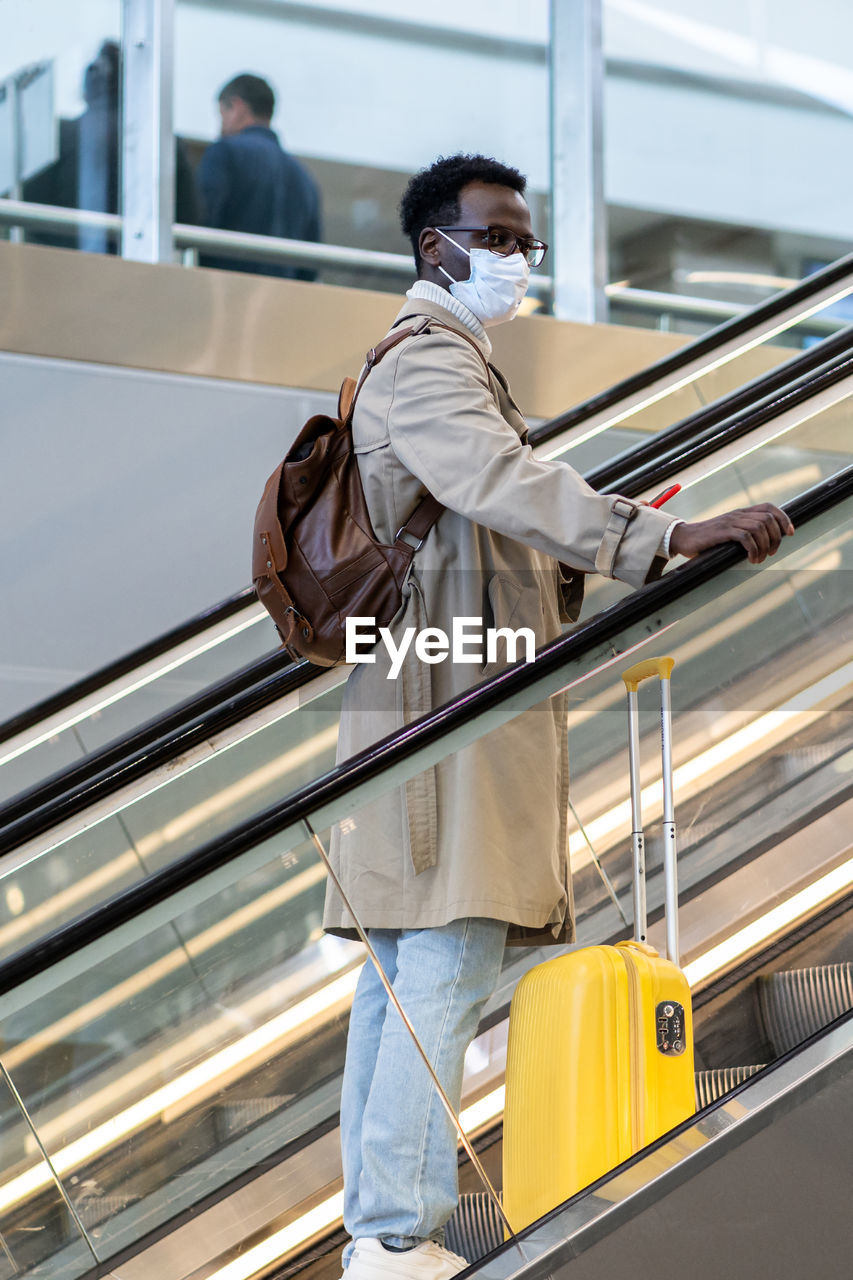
x: 496, y: 286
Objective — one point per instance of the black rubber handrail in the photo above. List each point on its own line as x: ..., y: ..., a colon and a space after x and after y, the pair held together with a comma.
x: 121, y: 764
x: 344, y: 778
x: 689, y: 430
x: 147, y: 652
x: 701, y: 346
x: 230, y: 699
x: 680, y: 451
x: 36, y: 810
x: 704, y: 345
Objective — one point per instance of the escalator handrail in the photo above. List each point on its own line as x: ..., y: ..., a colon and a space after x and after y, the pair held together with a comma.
x: 778, y: 380
x: 704, y: 345
x: 679, y: 453
x: 27, y: 815
x: 701, y: 346
x: 407, y: 742
x: 106, y: 675
x: 75, y: 788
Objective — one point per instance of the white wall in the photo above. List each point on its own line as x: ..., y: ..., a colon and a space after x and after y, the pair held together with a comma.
x: 369, y: 96
x: 777, y: 42
x: 669, y: 149
x: 701, y: 154
x: 68, y: 31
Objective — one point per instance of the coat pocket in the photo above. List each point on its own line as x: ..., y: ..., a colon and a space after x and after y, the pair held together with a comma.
x: 514, y: 607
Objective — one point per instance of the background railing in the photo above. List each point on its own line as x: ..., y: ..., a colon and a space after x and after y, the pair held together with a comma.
x: 667, y: 308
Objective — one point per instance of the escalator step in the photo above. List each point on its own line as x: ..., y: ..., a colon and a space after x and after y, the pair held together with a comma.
x: 236, y: 1117
x: 475, y: 1228
x: 95, y: 1209
x: 798, y: 1002
x: 711, y: 1085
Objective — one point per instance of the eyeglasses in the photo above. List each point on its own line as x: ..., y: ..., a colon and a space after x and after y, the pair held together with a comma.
x: 503, y: 242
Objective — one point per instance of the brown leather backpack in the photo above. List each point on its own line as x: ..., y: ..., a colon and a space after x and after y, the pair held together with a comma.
x: 316, y: 559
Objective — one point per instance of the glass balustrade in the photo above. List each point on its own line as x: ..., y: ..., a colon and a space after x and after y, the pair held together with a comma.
x: 203, y: 1038
x: 181, y: 805
x: 186, y: 669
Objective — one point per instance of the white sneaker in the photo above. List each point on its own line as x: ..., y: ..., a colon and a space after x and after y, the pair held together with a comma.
x: 370, y: 1260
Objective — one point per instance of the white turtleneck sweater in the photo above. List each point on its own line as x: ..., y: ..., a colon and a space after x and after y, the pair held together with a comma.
x: 430, y: 292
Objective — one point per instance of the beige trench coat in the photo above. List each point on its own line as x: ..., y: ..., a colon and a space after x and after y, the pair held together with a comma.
x: 485, y: 832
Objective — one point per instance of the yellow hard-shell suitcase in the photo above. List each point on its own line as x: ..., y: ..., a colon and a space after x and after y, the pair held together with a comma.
x: 600, y: 1055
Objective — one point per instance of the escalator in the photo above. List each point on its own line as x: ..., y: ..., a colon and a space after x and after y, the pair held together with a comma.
x: 150, y: 797
x: 214, y: 794
x: 194, y: 666
x: 757, y: 1185
x: 172, y: 1059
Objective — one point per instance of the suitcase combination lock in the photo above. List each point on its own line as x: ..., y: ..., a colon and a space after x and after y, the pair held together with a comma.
x: 669, y: 1021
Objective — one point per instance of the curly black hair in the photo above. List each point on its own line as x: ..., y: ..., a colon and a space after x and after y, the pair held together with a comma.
x: 432, y: 196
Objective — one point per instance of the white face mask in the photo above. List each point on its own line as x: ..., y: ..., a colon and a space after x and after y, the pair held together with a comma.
x: 496, y: 286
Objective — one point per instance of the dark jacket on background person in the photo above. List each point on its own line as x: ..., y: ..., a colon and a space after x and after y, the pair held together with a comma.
x: 248, y: 182
x: 86, y: 172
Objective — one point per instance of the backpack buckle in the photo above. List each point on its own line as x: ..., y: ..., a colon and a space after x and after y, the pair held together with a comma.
x: 398, y: 537
x: 301, y: 622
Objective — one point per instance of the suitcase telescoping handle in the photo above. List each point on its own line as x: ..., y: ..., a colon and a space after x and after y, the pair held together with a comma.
x: 633, y: 678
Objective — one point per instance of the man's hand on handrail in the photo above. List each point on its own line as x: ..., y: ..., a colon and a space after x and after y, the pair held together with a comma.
x: 759, y: 530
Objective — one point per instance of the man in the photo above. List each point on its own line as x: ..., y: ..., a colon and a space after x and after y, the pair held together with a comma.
x: 471, y: 854
x: 86, y: 173
x: 248, y: 182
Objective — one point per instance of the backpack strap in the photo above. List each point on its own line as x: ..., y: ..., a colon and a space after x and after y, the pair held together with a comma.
x: 375, y: 354
x: 439, y: 324
x: 346, y: 398
x: 429, y: 508
x: 371, y: 360
x: 420, y: 521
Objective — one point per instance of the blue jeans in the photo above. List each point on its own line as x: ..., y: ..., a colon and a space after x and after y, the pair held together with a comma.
x: 398, y: 1143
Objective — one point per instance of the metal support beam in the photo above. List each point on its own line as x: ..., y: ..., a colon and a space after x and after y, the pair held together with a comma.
x: 578, y: 215
x: 148, y: 147
x: 16, y: 234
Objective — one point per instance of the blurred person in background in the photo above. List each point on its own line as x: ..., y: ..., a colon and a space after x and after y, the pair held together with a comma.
x: 98, y: 158
x: 87, y: 174
x: 248, y: 182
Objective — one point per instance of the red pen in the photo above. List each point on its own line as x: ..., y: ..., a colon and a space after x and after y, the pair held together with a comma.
x: 665, y: 496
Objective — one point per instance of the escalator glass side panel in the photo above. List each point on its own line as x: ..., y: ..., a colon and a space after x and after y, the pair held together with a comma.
x: 192, y: 800
x: 681, y: 1180
x: 223, y: 1028
x: 69, y: 736
x: 124, y: 843
x: 196, y: 664
x: 202, y: 1036
x: 763, y: 727
x: 41, y: 1233
x: 595, y: 441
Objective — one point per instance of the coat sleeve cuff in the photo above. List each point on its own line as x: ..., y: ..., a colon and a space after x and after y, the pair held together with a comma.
x: 622, y: 512
x: 639, y: 546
